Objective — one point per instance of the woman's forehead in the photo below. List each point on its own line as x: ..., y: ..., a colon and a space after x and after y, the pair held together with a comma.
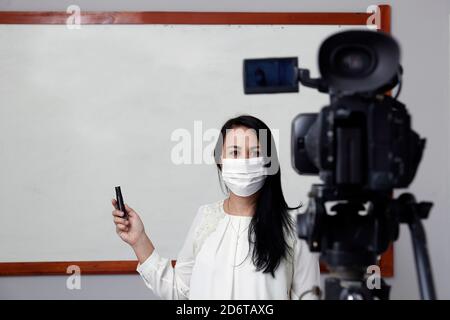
x: 241, y: 135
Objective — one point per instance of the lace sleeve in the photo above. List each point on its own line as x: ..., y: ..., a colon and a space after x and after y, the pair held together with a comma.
x: 164, y: 280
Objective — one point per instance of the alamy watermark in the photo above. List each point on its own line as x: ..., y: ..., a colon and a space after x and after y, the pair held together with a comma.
x: 73, y: 282
x: 374, y: 20
x: 198, y: 146
x: 73, y: 21
x: 373, y: 280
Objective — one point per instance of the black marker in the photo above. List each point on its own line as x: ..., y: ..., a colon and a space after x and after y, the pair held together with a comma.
x: 120, y: 203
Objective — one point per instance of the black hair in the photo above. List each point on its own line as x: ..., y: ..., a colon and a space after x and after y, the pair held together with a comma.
x: 271, y: 223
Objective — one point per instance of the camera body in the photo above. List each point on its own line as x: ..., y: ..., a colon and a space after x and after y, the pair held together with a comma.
x: 358, y: 142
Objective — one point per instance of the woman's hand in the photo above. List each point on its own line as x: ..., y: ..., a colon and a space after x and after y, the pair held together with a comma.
x: 131, y: 230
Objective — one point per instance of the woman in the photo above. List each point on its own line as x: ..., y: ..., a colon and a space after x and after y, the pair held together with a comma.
x: 243, y: 247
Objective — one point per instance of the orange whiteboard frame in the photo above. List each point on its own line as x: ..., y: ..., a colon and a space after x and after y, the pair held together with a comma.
x: 195, y: 18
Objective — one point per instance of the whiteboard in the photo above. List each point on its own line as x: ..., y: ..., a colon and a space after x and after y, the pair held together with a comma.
x: 82, y: 111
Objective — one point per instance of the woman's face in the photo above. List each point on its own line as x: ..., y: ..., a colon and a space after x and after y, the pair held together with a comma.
x: 241, y: 143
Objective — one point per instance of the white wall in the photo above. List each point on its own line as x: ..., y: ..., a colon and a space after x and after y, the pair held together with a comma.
x: 423, y: 30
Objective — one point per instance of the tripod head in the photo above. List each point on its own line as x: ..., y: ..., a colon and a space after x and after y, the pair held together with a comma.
x: 358, y: 227
x: 351, y: 232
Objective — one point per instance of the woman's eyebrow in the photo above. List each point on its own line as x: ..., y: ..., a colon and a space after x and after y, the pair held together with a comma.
x: 255, y: 147
x: 233, y: 147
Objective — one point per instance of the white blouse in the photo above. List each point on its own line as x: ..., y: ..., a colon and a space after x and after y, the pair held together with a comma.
x: 215, y: 263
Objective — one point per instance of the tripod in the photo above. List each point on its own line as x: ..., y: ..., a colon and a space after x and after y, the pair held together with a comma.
x: 350, y: 238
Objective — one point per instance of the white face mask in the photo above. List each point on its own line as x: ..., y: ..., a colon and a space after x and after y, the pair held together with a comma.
x: 244, y: 177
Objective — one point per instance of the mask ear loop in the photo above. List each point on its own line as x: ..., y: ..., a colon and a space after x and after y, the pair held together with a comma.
x: 223, y: 186
x: 217, y: 154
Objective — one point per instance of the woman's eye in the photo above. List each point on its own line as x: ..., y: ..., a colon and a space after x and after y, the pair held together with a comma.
x: 234, y: 153
x: 255, y: 154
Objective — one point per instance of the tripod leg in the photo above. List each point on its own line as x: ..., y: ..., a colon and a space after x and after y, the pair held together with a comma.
x: 422, y: 259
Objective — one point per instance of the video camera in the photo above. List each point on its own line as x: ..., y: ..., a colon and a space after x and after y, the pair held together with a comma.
x: 362, y: 147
